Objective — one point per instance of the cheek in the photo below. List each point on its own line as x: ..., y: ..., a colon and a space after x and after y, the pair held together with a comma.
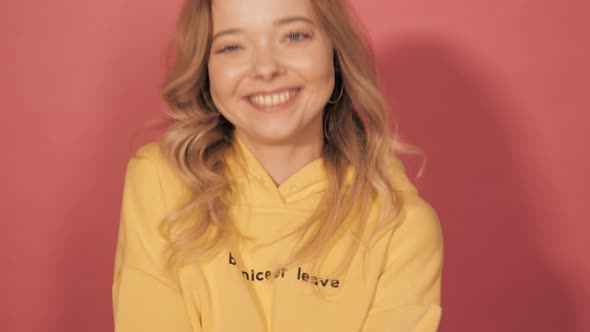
x: 224, y: 78
x: 316, y: 66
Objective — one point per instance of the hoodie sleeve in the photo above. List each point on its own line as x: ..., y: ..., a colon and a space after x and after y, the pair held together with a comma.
x: 144, y: 298
x: 407, y: 297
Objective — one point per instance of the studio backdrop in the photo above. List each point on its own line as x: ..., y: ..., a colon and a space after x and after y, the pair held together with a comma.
x: 495, y: 92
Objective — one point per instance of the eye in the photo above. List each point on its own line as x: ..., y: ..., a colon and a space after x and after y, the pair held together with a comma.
x: 297, y: 36
x: 229, y: 49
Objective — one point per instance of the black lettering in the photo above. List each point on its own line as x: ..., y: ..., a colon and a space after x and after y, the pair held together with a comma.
x: 245, y: 274
x: 325, y: 282
x: 299, y: 273
x: 259, y: 276
x: 232, y: 260
x: 304, y: 276
x: 335, y: 283
x: 314, y: 280
x: 267, y: 275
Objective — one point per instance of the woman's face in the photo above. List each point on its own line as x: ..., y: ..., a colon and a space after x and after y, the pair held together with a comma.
x: 271, y: 69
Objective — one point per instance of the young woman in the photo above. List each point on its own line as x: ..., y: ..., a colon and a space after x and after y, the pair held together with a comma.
x: 275, y: 200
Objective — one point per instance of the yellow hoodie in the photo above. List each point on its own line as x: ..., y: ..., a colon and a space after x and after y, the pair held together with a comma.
x: 395, y: 288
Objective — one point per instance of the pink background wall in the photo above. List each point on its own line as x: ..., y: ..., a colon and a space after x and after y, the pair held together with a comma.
x: 494, y: 91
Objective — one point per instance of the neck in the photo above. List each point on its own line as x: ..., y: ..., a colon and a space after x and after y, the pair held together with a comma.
x: 282, y: 159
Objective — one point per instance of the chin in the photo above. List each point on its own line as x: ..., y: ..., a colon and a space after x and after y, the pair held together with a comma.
x: 284, y: 130
x: 276, y: 138
x: 271, y: 136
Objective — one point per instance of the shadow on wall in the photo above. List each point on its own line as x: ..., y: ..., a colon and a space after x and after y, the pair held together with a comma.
x: 494, y: 279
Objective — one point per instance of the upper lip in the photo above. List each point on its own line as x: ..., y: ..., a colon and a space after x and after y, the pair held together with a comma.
x: 266, y: 92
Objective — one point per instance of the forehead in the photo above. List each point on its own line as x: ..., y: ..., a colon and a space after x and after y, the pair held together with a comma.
x: 256, y: 13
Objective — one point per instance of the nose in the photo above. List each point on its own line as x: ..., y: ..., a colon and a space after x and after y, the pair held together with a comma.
x: 266, y: 64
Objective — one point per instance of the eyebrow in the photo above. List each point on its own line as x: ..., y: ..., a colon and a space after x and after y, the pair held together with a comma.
x: 278, y: 22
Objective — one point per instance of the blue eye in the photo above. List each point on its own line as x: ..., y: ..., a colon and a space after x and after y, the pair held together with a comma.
x: 293, y: 36
x: 297, y: 35
x: 229, y: 49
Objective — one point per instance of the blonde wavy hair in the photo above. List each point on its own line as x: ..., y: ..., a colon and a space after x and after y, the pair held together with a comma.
x: 356, y: 131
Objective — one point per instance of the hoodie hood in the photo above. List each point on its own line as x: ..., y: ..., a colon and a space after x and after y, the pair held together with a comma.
x: 312, y: 179
x: 254, y: 181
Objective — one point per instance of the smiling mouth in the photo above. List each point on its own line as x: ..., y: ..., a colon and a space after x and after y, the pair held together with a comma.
x: 274, y: 99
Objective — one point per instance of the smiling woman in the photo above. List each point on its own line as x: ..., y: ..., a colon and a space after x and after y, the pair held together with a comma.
x: 275, y: 201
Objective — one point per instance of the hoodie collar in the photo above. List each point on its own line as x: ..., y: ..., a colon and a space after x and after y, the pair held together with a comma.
x: 245, y: 167
x: 312, y: 178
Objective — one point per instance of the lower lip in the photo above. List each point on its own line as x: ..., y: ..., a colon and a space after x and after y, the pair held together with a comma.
x: 275, y: 108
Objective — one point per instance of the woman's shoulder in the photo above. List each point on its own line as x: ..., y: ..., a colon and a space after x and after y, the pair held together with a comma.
x: 415, y: 237
x: 419, y: 217
x: 151, y: 150
x: 398, y: 175
x: 171, y: 184
x: 416, y: 218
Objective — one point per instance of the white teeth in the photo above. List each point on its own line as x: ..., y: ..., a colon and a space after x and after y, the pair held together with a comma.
x: 274, y: 99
